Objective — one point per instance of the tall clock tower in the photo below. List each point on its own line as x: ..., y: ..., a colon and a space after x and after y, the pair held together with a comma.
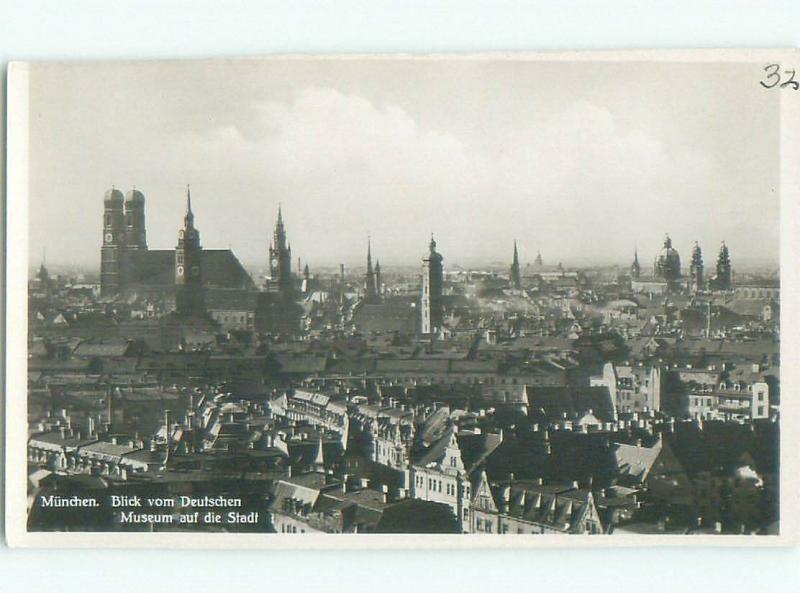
x: 189, y: 295
x: 112, y: 278
x: 280, y: 259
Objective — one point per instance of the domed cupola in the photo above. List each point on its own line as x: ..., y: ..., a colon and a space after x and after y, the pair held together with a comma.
x: 114, y: 195
x: 668, y: 263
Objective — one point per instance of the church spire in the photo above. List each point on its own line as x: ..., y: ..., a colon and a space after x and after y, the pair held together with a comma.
x: 516, y: 279
x: 370, y: 290
x: 188, y: 220
x: 636, y: 269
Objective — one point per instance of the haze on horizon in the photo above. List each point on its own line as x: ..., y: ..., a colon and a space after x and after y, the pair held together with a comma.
x: 582, y: 161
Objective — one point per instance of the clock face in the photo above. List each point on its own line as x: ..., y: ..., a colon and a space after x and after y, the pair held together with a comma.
x: 180, y: 233
x: 180, y: 270
x: 109, y: 237
x: 195, y: 270
x: 274, y: 262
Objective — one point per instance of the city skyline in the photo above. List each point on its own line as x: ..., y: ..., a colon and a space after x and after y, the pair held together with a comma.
x: 330, y: 140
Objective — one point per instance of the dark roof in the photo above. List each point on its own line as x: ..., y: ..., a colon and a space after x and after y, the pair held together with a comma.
x: 559, y: 457
x: 555, y: 401
x: 220, y: 268
x: 230, y: 299
x: 720, y: 446
x: 417, y: 516
x: 385, y: 317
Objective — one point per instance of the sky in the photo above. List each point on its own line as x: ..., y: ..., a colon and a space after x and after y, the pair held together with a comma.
x: 581, y: 161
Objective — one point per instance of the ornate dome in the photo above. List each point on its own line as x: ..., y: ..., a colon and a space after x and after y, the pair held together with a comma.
x: 134, y: 196
x: 432, y: 254
x: 114, y: 195
x: 668, y: 263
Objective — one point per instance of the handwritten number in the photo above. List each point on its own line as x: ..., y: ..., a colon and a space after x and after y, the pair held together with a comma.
x: 774, y: 74
x: 791, y: 82
x: 773, y: 78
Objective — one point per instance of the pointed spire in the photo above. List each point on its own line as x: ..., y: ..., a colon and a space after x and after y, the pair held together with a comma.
x: 279, y: 223
x: 189, y: 218
x: 369, y: 254
x: 516, y: 278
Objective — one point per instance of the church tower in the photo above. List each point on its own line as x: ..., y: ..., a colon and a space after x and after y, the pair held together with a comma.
x: 378, y: 280
x: 370, y: 289
x: 636, y: 269
x: 431, y: 301
x: 696, y: 269
x: 189, y: 295
x: 515, y: 276
x: 724, y: 278
x: 112, y: 279
x: 280, y: 259
x: 135, y: 232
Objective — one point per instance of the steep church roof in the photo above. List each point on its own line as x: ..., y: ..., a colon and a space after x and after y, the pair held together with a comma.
x: 221, y: 269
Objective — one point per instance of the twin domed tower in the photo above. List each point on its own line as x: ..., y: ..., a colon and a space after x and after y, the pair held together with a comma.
x: 124, y: 231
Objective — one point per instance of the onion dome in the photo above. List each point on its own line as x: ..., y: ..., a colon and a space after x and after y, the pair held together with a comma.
x: 668, y: 264
x: 114, y: 195
x: 135, y: 196
x: 432, y: 254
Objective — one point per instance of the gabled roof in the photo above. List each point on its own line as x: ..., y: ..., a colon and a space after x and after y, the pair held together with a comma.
x: 634, y: 461
x: 555, y: 401
x: 220, y: 268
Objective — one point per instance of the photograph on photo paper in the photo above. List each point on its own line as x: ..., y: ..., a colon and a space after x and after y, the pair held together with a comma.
x: 377, y: 295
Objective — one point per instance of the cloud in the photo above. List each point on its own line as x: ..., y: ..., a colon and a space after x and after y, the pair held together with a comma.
x: 574, y: 181
x: 344, y: 166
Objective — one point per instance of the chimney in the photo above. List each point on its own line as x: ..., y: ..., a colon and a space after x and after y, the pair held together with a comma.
x: 506, y: 493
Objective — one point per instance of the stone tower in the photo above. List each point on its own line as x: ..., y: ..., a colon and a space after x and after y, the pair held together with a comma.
x: 189, y: 294
x: 696, y: 269
x: 135, y: 229
x: 724, y: 278
x: 280, y: 259
x: 112, y: 252
x: 636, y: 269
x: 431, y: 298
x: 515, y: 276
x: 378, y: 280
